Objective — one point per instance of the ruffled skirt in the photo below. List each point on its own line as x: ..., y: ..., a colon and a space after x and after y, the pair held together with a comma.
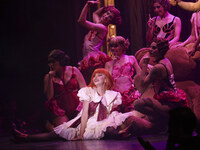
x: 95, y: 129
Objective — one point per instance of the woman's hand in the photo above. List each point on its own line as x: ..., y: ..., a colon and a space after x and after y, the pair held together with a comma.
x: 192, y: 52
x: 146, y: 58
x: 174, y: 2
x: 150, y: 22
x: 52, y: 74
x: 92, y: 2
x: 78, y: 138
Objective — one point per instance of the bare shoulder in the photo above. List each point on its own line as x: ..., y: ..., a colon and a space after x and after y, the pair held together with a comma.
x: 177, y: 19
x: 76, y: 70
x: 132, y: 58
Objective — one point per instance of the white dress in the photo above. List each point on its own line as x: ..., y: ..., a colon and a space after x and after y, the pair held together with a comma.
x: 95, y: 129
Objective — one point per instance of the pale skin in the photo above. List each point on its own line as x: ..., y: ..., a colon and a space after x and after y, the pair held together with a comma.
x: 118, y: 52
x: 100, y: 23
x: 61, y: 75
x: 190, y: 6
x: 190, y: 39
x: 163, y: 17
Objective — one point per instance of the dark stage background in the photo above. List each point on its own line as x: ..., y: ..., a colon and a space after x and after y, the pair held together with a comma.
x: 30, y: 29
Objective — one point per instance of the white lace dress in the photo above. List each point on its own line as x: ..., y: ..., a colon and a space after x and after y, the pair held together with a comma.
x: 95, y: 129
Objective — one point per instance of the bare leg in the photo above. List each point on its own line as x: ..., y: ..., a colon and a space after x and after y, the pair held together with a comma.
x: 43, y: 136
x: 35, y: 137
x: 58, y: 120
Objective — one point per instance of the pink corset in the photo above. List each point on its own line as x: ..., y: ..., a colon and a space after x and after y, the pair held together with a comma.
x: 125, y: 70
x: 123, y: 77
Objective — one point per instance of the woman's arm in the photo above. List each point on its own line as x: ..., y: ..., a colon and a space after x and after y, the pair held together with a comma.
x: 79, y: 78
x: 135, y: 64
x: 192, y: 37
x: 149, y: 34
x: 87, y: 24
x: 97, y: 14
x: 84, y: 119
x: 177, y: 31
x: 48, y: 85
x: 197, y: 42
x: 190, y: 6
x: 155, y: 73
x: 108, y: 66
x: 195, y: 47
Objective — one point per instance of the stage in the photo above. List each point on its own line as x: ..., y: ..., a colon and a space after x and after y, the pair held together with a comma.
x: 158, y: 141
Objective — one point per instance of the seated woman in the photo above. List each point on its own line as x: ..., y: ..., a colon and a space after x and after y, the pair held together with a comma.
x: 122, y: 68
x: 60, y: 87
x: 158, y: 88
x: 164, y: 25
x: 192, y: 42
x: 96, y: 116
x: 93, y: 57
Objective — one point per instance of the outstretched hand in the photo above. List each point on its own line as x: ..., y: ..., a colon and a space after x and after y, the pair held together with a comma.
x: 93, y: 2
x: 79, y: 138
x: 174, y: 2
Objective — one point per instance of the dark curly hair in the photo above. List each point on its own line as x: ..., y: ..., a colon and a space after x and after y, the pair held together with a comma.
x: 117, y: 17
x: 60, y: 56
x: 164, y: 3
x: 162, y: 45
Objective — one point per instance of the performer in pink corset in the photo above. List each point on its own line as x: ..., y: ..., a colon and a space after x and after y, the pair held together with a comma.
x: 123, y: 68
x: 93, y: 57
x: 61, y: 86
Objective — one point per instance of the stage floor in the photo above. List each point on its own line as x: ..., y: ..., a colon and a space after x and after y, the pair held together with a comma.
x: 158, y: 141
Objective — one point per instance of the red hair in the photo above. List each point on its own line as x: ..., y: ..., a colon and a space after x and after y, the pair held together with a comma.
x: 109, y: 80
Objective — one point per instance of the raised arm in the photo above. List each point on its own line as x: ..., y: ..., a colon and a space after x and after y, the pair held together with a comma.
x: 97, y: 14
x: 177, y: 31
x: 88, y: 24
x: 149, y: 34
x: 190, y: 6
x: 79, y: 78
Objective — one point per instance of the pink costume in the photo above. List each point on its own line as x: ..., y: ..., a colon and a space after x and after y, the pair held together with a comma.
x: 123, y: 79
x: 93, y: 57
x: 65, y: 100
x: 92, y: 43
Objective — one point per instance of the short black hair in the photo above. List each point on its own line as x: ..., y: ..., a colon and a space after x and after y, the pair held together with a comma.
x: 60, y: 56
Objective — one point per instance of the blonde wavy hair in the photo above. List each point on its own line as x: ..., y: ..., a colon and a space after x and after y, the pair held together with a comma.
x: 119, y: 40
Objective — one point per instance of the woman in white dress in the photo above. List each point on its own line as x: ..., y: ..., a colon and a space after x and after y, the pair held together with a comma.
x: 96, y: 116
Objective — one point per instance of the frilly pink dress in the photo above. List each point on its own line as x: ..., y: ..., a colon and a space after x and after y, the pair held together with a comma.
x: 124, y: 83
